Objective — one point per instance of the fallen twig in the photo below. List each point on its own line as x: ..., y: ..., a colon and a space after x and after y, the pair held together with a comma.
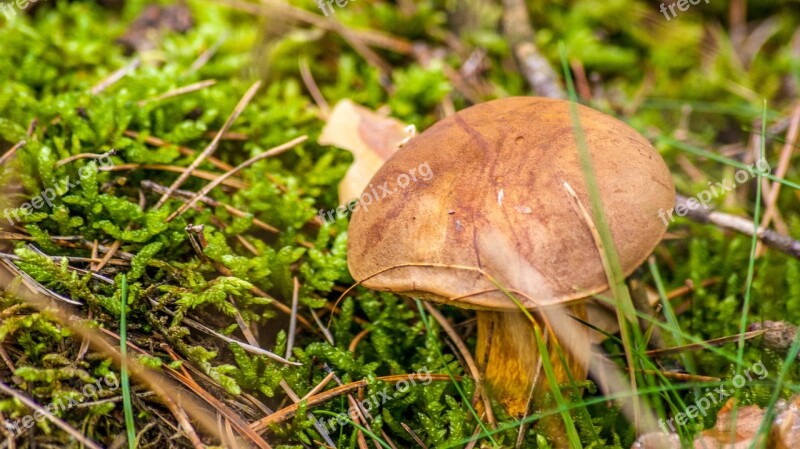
x: 742, y: 225
x: 534, y: 66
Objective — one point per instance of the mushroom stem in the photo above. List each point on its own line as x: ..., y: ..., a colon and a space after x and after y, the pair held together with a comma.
x: 514, y: 364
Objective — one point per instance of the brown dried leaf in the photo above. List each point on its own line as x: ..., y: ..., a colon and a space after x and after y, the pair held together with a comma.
x: 371, y: 137
x: 742, y: 434
x: 724, y: 436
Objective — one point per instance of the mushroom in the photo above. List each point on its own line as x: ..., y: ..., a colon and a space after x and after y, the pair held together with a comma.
x: 498, y: 205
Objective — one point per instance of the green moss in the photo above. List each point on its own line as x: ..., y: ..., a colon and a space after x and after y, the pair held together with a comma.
x: 53, y: 58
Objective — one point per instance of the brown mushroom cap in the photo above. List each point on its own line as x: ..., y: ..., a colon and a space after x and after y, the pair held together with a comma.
x: 496, y: 200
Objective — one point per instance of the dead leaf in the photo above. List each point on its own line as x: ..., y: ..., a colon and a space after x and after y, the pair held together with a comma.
x: 371, y: 137
x: 724, y: 436
x: 784, y: 432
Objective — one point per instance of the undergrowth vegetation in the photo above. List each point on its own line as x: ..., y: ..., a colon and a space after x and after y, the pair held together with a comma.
x: 234, y: 262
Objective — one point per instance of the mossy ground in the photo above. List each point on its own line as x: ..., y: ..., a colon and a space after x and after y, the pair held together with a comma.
x: 696, y: 78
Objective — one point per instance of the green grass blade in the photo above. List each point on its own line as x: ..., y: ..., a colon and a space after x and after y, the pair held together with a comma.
x: 753, y: 244
x: 672, y: 319
x: 716, y: 157
x: 127, y: 405
x: 626, y: 312
x: 572, y: 432
x: 751, y: 263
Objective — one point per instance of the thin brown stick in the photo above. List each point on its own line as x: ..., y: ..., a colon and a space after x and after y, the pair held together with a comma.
x: 703, y: 345
x: 293, y: 317
x: 278, y: 304
x: 288, y: 412
x: 157, y: 142
x: 115, y: 76
x: 75, y: 157
x: 12, y: 151
x: 679, y: 376
x: 325, y: 331
x: 207, y: 55
x: 200, y: 85
x: 94, y: 253
x: 32, y: 127
x: 680, y: 291
x: 320, y: 386
x: 354, y: 343
x: 413, y: 435
x: 107, y: 257
x: 186, y: 425
x: 771, y: 198
x: 361, y: 416
x: 209, y: 150
x: 581, y: 82
x: 6, y: 359
x: 84, y: 348
x: 313, y: 89
x: 208, y: 176
x: 474, y: 438
x: 210, y: 186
